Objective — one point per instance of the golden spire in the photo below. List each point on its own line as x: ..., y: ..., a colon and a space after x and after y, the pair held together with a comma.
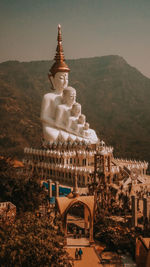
x: 60, y: 64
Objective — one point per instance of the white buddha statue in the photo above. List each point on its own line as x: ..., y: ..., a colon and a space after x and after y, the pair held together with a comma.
x: 81, y: 122
x: 58, y: 77
x: 63, y: 111
x: 49, y: 104
x: 90, y: 134
x: 73, y: 120
x: 60, y: 114
x: 85, y: 130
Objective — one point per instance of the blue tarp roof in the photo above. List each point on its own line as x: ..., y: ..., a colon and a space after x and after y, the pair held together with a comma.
x: 52, y: 199
x: 62, y: 190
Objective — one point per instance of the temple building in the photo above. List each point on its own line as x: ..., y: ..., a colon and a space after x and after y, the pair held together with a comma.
x: 71, y: 154
x: 70, y: 146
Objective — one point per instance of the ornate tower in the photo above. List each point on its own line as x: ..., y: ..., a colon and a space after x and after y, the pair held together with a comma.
x: 59, y: 64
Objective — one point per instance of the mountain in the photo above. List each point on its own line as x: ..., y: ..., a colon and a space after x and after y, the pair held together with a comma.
x: 115, y: 98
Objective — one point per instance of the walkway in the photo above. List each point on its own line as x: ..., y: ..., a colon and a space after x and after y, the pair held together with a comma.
x: 106, y: 258
x: 83, y: 242
x: 89, y: 257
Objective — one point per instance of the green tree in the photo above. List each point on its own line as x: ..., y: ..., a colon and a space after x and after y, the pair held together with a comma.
x: 23, y: 191
x: 32, y: 241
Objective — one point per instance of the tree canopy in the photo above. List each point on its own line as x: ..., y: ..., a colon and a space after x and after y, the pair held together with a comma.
x: 23, y: 191
x: 32, y: 241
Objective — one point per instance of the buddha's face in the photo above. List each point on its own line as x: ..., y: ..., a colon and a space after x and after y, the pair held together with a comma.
x: 76, y: 110
x: 59, y: 81
x: 69, y: 96
x: 81, y: 119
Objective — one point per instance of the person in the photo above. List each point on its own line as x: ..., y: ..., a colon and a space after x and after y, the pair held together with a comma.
x: 74, y: 232
x: 80, y: 233
x: 80, y: 253
x: 76, y: 254
x: 77, y: 233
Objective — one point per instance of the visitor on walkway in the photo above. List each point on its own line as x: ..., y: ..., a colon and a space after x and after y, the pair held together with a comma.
x: 76, y: 254
x: 80, y: 252
x: 80, y: 233
x: 74, y: 232
x: 77, y: 233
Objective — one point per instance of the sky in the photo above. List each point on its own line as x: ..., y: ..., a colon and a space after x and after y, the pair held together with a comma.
x: 28, y: 29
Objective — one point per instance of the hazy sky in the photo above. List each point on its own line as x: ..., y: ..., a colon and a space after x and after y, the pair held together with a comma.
x: 28, y: 29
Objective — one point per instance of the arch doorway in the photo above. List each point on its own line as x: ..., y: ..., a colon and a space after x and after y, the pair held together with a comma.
x: 77, y: 216
x: 78, y: 221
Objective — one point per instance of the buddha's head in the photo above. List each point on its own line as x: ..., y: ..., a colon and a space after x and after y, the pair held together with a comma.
x: 86, y: 126
x: 58, y: 74
x: 81, y: 119
x: 76, y: 110
x: 69, y: 96
x: 59, y: 81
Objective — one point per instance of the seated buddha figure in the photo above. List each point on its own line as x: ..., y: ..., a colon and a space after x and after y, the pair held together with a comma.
x: 89, y: 133
x: 58, y: 77
x: 85, y: 132
x: 73, y: 120
x: 63, y: 112
x: 67, y: 116
x: 60, y: 114
x: 50, y: 102
x: 81, y: 122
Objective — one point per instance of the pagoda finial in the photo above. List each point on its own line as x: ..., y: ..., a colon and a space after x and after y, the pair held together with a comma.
x: 59, y: 37
x: 60, y: 64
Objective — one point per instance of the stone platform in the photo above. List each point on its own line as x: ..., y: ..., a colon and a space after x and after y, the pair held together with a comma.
x: 78, y: 242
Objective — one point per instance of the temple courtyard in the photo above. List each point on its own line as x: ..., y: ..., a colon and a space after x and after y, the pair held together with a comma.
x: 89, y: 257
x: 95, y: 256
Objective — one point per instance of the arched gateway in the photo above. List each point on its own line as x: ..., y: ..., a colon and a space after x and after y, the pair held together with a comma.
x: 65, y: 203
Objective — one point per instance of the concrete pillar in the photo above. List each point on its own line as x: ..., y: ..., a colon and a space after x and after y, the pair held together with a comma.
x: 91, y: 232
x: 49, y: 188
x: 79, y: 160
x: 146, y: 209
x: 148, y: 257
x: 86, y: 222
x: 134, y: 211
x: 108, y: 160
x: 104, y: 163
x: 86, y: 176
x: 75, y: 187
x: 56, y: 189
x: 65, y: 228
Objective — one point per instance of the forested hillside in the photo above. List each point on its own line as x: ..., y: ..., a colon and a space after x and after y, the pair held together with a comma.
x: 115, y: 97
